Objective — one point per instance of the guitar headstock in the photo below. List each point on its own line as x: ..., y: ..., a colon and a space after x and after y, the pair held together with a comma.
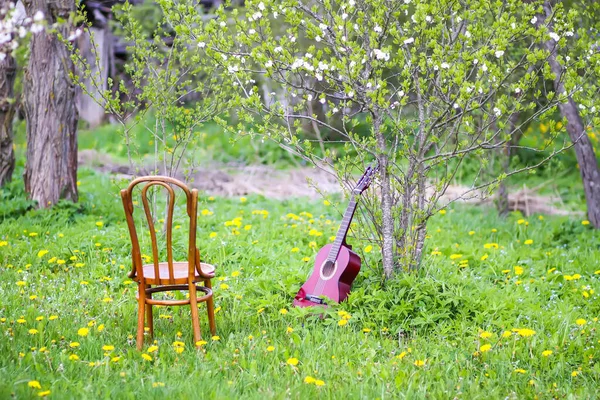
x: 365, y: 180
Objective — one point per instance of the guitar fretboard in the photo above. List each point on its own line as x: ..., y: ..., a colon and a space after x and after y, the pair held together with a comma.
x: 343, y: 230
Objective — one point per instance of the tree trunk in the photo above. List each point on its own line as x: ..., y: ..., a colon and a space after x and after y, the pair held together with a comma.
x: 7, y: 112
x: 50, y: 109
x: 586, y: 158
x: 502, y: 204
x: 387, y: 228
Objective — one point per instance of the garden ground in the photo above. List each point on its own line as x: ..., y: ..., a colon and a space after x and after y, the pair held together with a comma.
x: 499, y: 308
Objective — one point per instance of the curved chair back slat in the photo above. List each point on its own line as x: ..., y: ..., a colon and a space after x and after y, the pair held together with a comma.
x: 191, y: 209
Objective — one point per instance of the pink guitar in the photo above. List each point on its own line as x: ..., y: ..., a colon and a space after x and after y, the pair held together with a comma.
x: 336, y: 265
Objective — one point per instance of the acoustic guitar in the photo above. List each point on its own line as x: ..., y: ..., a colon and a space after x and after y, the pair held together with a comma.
x: 336, y: 265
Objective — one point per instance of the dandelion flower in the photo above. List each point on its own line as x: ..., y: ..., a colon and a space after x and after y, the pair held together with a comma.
x: 146, y: 357
x: 270, y: 348
x: 580, y: 321
x: 34, y: 385
x: 292, y: 361
x: 83, y: 332
x: 419, y: 363
x: 485, y: 348
x: 547, y: 353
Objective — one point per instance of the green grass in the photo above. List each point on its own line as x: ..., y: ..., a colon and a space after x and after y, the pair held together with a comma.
x: 436, y: 315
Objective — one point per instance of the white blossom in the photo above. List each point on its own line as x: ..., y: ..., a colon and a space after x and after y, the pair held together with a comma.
x: 319, y: 77
x: 484, y: 68
x: 350, y: 94
x: 74, y: 35
x: 518, y: 90
x: 369, y: 85
x: 222, y: 24
x: 275, y: 14
x: 455, y: 105
x: 318, y: 38
x: 38, y: 16
x: 335, y: 110
x: 232, y: 69
x: 322, y: 101
x: 322, y: 66
x: 475, y: 61
x: 278, y: 49
x: 344, y: 16
x: 309, y: 97
x: 569, y: 33
x: 534, y: 20
x: 352, y: 3
x: 323, y: 27
x: 257, y: 15
x: 2, y: 56
x: 36, y: 28
x: 269, y: 64
x: 497, y: 111
x: 445, y: 65
x: 409, y: 40
x: 377, y: 29
x: 251, y: 32
x: 428, y: 18
x: 554, y: 36
x: 380, y: 55
x: 261, y: 6
x: 406, y: 1
x: 499, y: 53
x: 201, y: 45
x: 401, y: 94
x: 468, y: 34
x: 513, y: 25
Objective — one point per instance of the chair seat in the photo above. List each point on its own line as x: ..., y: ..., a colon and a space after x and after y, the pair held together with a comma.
x: 180, y: 273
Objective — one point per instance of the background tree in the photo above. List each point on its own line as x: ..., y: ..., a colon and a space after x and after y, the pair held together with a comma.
x: 566, y: 69
x: 50, y: 107
x: 7, y: 104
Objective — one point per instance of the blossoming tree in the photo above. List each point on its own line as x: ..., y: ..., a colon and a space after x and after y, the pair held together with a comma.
x: 436, y: 81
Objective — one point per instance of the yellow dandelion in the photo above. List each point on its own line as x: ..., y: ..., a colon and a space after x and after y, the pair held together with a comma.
x: 44, y: 393
x: 34, y: 385
x: 580, y: 321
x: 73, y: 357
x: 292, y: 361
x: 419, y: 363
x: 283, y: 311
x: 309, y: 380
x: 108, y: 347
x: 486, y: 335
x: 74, y: 344
x: 42, y: 253
x: 368, y: 249
x: 528, y: 241
x: 146, y: 357
x: 485, y: 348
x: 270, y: 348
x: 83, y: 332
x: 319, y: 382
x: 546, y: 353
x: 216, y: 338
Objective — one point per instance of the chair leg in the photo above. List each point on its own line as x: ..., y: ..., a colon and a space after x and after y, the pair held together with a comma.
x: 210, y: 310
x: 149, y: 318
x: 141, y: 307
x: 194, y: 307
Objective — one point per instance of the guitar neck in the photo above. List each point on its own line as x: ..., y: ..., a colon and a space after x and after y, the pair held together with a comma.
x: 343, y: 230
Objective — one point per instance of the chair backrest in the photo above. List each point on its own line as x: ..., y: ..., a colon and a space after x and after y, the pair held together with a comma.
x: 192, y: 205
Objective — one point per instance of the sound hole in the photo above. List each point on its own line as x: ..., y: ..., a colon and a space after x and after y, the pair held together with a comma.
x: 328, y: 268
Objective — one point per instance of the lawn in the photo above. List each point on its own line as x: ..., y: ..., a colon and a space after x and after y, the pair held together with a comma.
x: 499, y: 308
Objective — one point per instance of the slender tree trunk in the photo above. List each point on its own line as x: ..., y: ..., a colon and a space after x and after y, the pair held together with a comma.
x: 50, y: 109
x: 586, y: 158
x: 502, y: 204
x: 386, y: 201
x: 7, y: 112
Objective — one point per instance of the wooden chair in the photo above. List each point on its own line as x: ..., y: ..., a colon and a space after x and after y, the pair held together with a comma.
x: 168, y: 275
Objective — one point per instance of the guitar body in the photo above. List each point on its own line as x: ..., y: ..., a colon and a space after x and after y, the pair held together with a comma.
x: 333, y: 281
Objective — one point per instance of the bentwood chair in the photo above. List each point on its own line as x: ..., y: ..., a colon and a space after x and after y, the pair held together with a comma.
x: 162, y: 276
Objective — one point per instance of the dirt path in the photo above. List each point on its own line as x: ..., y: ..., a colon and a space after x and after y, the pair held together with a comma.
x: 235, y: 180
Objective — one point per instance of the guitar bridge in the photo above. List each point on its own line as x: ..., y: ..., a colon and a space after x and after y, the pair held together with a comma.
x: 314, y: 299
